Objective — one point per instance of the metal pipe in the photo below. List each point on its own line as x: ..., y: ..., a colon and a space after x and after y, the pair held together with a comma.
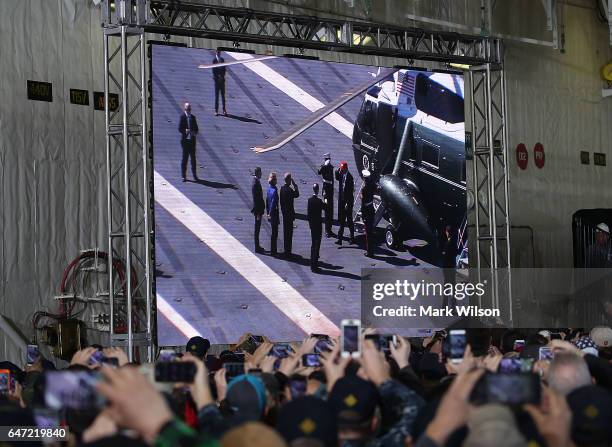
x: 146, y: 201
x: 126, y: 179
x: 109, y: 194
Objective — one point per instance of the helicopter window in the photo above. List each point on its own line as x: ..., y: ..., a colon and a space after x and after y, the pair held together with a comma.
x: 462, y: 174
x: 368, y: 123
x: 438, y: 101
x: 431, y: 155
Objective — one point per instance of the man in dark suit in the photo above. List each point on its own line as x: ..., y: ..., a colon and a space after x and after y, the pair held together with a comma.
x: 259, y: 206
x: 315, y: 221
x: 346, y: 190
x: 288, y: 193
x: 367, y: 211
x: 272, y: 211
x: 326, y: 171
x: 219, y: 78
x: 188, y: 128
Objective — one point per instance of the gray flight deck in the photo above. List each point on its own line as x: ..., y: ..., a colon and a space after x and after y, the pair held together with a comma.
x: 196, y: 281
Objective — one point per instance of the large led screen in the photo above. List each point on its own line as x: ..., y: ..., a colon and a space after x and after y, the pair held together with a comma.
x: 400, y: 135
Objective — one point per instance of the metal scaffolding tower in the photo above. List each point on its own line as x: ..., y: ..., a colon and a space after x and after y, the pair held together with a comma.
x: 128, y: 180
x: 125, y: 24
x: 490, y: 173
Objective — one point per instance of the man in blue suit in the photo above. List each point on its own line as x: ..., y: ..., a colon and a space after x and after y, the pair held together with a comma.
x: 272, y: 211
x: 188, y: 128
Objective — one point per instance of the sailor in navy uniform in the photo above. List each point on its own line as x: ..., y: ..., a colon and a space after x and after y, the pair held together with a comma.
x: 219, y: 78
x: 315, y: 222
x: 259, y: 206
x: 367, y: 211
x: 326, y: 171
x: 346, y: 188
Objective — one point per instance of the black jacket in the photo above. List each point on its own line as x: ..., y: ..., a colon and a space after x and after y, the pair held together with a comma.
x: 287, y: 196
x: 218, y: 72
x: 259, y: 205
x: 315, y: 208
x: 183, y: 127
x: 327, y: 173
x: 346, y: 192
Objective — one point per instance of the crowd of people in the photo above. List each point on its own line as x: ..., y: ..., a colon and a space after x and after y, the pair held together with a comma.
x: 409, y: 395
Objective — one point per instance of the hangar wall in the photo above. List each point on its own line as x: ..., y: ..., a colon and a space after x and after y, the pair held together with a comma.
x: 52, y: 155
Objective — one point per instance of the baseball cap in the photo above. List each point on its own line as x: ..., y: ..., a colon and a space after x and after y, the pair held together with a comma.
x: 246, y: 397
x: 603, y: 227
x: 493, y: 424
x: 326, y: 156
x: 591, y: 407
x: 198, y: 346
x: 253, y: 434
x: 354, y: 400
x: 587, y: 345
x: 365, y: 173
x: 602, y: 336
x: 308, y: 417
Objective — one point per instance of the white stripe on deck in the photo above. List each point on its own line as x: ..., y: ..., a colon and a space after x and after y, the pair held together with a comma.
x: 175, y: 318
x: 288, y: 300
x: 293, y: 91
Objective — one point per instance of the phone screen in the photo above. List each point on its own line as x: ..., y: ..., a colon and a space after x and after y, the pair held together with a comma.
x: 280, y: 350
x: 297, y: 387
x: 545, y: 353
x: 309, y: 360
x: 166, y: 355
x: 350, y: 338
x: 96, y: 358
x: 518, y: 345
x: 5, y: 380
x: 510, y: 366
x: 32, y: 354
x: 510, y: 389
x: 175, y: 372
x: 72, y: 389
x: 457, y: 344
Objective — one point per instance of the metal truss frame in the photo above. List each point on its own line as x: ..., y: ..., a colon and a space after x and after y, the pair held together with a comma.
x: 490, y: 173
x: 130, y: 229
x: 128, y: 180
x: 308, y: 32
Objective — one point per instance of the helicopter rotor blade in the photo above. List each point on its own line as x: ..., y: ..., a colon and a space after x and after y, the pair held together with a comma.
x: 246, y: 61
x: 316, y: 116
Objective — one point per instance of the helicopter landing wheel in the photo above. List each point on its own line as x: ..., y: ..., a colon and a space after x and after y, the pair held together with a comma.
x: 391, y: 238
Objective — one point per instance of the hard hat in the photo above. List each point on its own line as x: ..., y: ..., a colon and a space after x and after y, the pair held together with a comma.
x: 603, y: 227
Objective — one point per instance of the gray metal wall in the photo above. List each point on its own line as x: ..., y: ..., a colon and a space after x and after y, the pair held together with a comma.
x: 52, y: 155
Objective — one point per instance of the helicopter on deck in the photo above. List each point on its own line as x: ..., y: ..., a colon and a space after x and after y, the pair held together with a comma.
x: 410, y: 134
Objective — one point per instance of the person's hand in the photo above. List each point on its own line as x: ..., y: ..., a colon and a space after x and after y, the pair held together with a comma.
x: 333, y: 364
x: 16, y: 394
x: 103, y: 426
x: 401, y: 351
x: 553, y: 422
x: 491, y: 362
x: 557, y: 346
x: 267, y: 364
x: 117, y: 353
x: 374, y: 363
x: 454, y: 408
x: 541, y: 367
x: 82, y: 357
x: 467, y: 363
x: 221, y: 384
x: 134, y: 402
x: 307, y: 346
x: 200, y: 389
x: 289, y: 364
x: 36, y: 366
